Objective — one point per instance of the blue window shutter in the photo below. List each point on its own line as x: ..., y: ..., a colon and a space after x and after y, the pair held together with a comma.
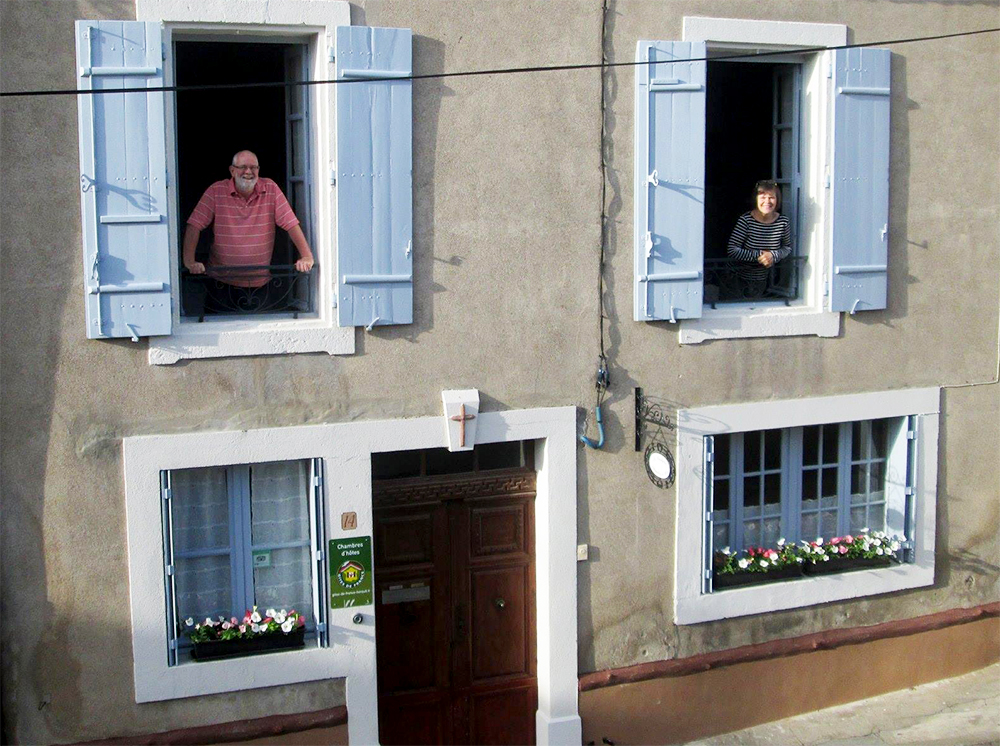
x: 123, y: 180
x: 374, y: 167
x: 860, y: 180
x: 669, y: 180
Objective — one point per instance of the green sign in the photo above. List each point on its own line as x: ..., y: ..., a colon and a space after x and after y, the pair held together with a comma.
x: 351, y: 572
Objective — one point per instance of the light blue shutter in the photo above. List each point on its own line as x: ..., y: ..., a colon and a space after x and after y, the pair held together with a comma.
x: 860, y: 180
x: 123, y: 179
x: 374, y: 167
x: 669, y: 180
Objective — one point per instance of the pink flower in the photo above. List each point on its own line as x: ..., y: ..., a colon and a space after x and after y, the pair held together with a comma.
x: 849, y: 539
x: 226, y: 625
x: 243, y: 628
x: 266, y: 620
x: 843, y: 549
x: 835, y: 540
x: 234, y: 621
x: 300, y: 621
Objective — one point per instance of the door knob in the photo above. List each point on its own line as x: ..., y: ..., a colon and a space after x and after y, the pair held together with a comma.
x: 499, y: 603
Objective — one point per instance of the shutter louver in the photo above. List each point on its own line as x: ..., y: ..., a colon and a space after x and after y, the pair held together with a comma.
x: 860, y: 183
x: 669, y: 180
x: 126, y: 251
x: 374, y: 168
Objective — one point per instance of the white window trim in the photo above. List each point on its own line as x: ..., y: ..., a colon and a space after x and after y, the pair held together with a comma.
x: 692, y: 606
x: 810, y: 315
x: 315, y: 24
x: 346, y: 451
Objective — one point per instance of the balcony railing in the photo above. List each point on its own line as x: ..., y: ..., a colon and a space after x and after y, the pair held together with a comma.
x: 215, y: 294
x: 731, y: 281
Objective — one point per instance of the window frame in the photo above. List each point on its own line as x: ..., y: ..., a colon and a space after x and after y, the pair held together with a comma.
x: 288, y: 21
x: 239, y: 500
x: 693, y: 605
x: 810, y: 314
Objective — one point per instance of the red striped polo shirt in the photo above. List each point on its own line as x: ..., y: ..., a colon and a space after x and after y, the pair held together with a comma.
x: 244, y: 227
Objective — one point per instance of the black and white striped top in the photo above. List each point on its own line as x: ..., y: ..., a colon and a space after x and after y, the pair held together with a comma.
x: 750, y: 237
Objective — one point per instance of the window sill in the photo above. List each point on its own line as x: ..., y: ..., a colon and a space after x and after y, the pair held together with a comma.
x: 792, y: 594
x: 750, y: 320
x: 216, y: 339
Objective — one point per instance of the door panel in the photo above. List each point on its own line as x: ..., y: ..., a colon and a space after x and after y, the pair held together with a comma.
x: 455, y: 610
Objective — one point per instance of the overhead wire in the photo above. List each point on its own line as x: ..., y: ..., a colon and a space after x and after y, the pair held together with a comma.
x: 492, y: 71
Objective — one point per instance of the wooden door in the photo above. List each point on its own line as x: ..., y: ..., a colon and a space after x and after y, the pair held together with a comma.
x: 455, y: 609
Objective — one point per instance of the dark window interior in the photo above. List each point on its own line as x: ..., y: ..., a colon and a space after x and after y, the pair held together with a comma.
x: 438, y: 461
x: 738, y: 144
x: 213, y: 125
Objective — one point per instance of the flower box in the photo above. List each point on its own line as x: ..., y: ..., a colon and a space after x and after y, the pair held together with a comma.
x: 737, y: 579
x: 848, y: 564
x: 218, y: 649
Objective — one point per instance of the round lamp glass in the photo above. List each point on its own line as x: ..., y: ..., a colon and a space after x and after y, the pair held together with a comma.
x: 660, y: 465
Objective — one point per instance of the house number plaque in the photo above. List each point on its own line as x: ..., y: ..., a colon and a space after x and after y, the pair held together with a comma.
x: 351, y: 572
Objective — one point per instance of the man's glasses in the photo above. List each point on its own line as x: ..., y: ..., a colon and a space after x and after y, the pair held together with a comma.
x: 244, y: 168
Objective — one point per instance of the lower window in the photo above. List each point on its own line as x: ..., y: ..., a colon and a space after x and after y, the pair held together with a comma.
x: 238, y: 540
x: 784, y: 504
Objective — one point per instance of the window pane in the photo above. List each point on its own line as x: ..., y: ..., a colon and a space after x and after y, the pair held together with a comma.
x: 772, y: 489
x: 810, y: 444
x: 279, y: 502
x: 829, y: 527
x: 286, y: 583
x: 786, y: 157
x: 751, y: 451
x: 298, y: 145
x: 772, y: 532
x: 772, y: 449
x: 751, y: 533
x: 876, y: 479
x: 810, y: 526
x: 880, y: 438
x: 506, y: 455
x: 298, y: 200
x: 751, y: 493
x: 829, y: 482
x: 876, y: 517
x: 859, y: 480
x: 810, y: 489
x: 721, y: 455
x: 720, y: 495
x: 858, y: 520
x: 857, y: 440
x: 200, y: 508
x: 785, y: 97
x: 720, y: 536
x: 830, y: 442
x: 203, y: 588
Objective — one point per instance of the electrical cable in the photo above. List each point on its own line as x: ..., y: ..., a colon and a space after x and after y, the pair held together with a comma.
x: 495, y: 71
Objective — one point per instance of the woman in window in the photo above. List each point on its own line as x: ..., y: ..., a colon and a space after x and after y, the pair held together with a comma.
x: 762, y: 238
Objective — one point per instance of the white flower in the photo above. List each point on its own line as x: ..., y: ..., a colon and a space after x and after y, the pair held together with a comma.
x: 819, y: 540
x: 764, y: 563
x: 826, y: 558
x: 880, y: 551
x: 781, y: 542
x: 744, y: 563
x: 279, y: 617
x: 286, y: 626
x: 255, y: 627
x: 799, y: 560
x: 877, y: 542
x: 865, y: 530
x: 894, y: 546
x: 725, y: 550
x: 189, y: 621
x: 209, y: 622
x: 255, y: 617
x: 270, y: 613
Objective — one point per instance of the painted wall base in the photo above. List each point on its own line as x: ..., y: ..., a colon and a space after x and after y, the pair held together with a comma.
x: 564, y: 731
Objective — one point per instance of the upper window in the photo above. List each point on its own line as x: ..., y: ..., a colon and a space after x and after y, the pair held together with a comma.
x: 147, y: 158
x: 855, y: 472
x: 710, y: 127
x: 240, y: 538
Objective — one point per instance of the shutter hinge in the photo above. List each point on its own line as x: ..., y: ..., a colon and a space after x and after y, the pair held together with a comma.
x: 163, y: 51
x: 708, y: 574
x: 708, y: 516
x: 173, y: 644
x: 709, y: 457
x: 908, y: 491
x: 409, y: 249
x: 829, y: 65
x: 319, y: 555
x: 321, y: 627
x: 168, y: 493
x: 170, y: 570
x: 317, y: 480
x: 911, y: 434
x: 333, y: 176
x: 331, y: 54
x: 826, y: 177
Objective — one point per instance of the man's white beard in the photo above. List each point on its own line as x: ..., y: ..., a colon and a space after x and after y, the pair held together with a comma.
x: 245, y: 184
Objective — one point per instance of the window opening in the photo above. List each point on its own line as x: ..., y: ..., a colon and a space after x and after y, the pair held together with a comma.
x: 440, y: 461
x: 242, y: 536
x: 753, y: 132
x: 211, y: 126
x: 770, y: 488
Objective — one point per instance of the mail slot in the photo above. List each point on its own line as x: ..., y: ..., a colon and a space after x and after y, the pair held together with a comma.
x: 403, y: 595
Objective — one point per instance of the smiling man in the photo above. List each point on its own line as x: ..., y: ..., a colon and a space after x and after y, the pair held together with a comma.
x: 245, y: 210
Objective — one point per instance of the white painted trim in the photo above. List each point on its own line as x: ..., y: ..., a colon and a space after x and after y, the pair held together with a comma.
x: 811, y: 315
x: 314, y: 22
x: 772, y: 33
x: 346, y: 449
x: 691, y: 606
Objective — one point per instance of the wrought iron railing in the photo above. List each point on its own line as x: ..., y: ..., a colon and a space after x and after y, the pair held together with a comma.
x: 731, y: 281
x: 222, y: 291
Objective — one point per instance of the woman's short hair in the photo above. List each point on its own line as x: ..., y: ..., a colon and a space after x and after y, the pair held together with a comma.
x: 767, y: 185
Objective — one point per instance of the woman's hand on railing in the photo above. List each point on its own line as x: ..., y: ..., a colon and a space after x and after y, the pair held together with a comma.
x: 766, y: 258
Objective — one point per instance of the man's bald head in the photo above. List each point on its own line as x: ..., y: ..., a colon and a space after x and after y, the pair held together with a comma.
x: 245, y: 170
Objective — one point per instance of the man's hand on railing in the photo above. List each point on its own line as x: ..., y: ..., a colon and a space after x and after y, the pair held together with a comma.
x: 195, y: 268
x: 304, y: 264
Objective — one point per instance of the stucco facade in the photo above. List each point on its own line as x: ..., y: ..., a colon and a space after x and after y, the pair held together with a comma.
x: 507, y: 206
